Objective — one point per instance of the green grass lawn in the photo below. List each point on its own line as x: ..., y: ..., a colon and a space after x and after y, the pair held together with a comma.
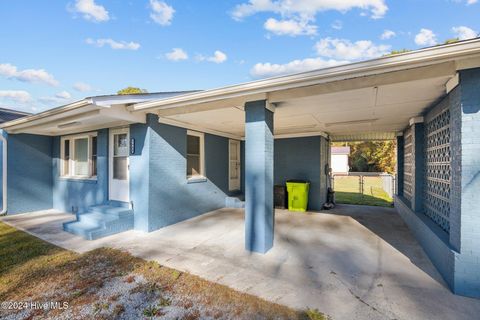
x: 347, y: 191
x: 111, y: 284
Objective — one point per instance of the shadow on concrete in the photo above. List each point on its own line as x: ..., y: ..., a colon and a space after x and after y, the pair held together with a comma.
x: 387, y: 224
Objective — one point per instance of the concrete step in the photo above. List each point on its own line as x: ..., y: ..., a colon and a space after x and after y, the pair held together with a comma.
x: 97, y: 218
x: 101, y: 221
x: 234, y: 202
x: 113, y: 227
x: 106, y: 209
x: 81, y: 228
x: 115, y: 203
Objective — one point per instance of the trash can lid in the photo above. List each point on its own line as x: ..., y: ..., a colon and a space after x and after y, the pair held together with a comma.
x: 298, y: 181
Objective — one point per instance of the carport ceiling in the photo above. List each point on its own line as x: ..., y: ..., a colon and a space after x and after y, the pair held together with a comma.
x: 380, y: 111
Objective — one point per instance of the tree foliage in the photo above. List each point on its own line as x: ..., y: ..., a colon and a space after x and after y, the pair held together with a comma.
x: 395, y: 52
x: 371, y: 156
x: 131, y: 90
x: 453, y: 40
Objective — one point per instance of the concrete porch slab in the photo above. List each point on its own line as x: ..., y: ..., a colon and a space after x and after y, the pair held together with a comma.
x: 354, y: 262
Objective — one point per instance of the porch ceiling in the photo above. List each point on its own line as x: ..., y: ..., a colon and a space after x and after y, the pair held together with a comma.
x: 374, y: 112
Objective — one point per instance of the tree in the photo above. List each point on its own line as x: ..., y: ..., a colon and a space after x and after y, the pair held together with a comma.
x: 371, y: 156
x: 453, y: 40
x: 395, y: 52
x: 131, y: 90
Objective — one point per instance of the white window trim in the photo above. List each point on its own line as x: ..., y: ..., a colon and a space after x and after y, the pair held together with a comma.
x: 71, y: 162
x: 201, y: 176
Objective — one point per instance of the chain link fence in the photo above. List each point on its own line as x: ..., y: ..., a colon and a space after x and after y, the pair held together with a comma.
x: 364, y: 188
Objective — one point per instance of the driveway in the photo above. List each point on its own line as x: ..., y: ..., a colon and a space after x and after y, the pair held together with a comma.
x: 354, y: 262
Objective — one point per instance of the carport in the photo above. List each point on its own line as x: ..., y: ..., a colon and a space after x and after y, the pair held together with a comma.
x: 394, y: 97
x: 353, y: 262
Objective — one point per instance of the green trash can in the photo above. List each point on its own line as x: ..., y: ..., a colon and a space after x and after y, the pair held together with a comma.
x: 297, y: 195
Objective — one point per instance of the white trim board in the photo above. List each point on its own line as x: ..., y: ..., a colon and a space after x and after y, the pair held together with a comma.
x: 193, y: 127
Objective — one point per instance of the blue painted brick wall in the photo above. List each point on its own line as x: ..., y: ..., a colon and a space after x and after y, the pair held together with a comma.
x: 400, y: 164
x: 1, y: 172
x: 457, y: 254
x: 29, y: 176
x: 79, y: 195
x: 418, y: 166
x: 301, y: 158
x: 259, y: 172
x: 170, y: 197
x: 140, y: 174
x: 467, y: 262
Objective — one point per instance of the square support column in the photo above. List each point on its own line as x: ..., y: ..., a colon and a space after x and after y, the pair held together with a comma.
x: 259, y: 210
x: 400, y: 168
x: 465, y: 212
x: 418, y: 131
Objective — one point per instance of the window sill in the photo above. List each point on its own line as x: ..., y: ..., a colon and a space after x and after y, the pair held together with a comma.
x: 79, y: 179
x: 196, y: 179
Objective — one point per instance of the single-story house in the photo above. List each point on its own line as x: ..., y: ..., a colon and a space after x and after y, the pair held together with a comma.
x: 5, y: 116
x: 339, y: 160
x: 148, y: 161
x: 10, y: 114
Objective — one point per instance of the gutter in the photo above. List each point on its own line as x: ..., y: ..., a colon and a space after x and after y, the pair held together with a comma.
x: 4, y: 175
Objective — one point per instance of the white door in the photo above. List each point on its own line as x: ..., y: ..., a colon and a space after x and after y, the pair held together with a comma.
x: 234, y: 165
x: 119, y: 188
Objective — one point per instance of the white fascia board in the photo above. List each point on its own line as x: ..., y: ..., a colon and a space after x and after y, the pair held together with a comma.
x: 105, y: 101
x: 452, y: 83
x: 302, y: 135
x: 416, y: 120
x: 197, y: 128
x: 423, y: 57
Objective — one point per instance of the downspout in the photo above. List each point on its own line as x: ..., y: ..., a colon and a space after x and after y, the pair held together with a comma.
x: 4, y: 175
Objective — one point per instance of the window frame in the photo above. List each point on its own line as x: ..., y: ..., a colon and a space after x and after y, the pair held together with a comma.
x: 71, y: 161
x: 201, y: 175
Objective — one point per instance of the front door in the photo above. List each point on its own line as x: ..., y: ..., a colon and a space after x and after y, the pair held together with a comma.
x: 119, y: 188
x: 234, y: 165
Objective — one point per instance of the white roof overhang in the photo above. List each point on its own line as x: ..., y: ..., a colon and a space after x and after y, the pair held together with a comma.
x: 85, y: 115
x: 367, y: 100
x: 81, y: 116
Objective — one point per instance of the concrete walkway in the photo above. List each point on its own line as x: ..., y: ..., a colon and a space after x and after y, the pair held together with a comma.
x: 350, y: 263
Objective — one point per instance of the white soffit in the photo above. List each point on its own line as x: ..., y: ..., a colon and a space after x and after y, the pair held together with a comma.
x: 381, y: 109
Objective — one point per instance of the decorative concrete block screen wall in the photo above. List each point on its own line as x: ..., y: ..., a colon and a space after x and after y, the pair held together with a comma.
x: 442, y: 183
x: 436, y: 177
x: 438, y: 166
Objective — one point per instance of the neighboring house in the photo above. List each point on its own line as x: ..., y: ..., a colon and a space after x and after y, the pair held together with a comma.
x: 10, y: 114
x: 339, y: 160
x: 148, y: 161
x: 5, y: 116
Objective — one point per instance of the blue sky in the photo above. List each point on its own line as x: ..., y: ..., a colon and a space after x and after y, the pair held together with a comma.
x: 55, y: 52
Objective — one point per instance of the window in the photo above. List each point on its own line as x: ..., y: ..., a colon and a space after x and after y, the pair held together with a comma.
x: 120, y: 156
x: 94, y: 156
x: 195, y: 155
x: 66, y: 157
x: 79, y: 156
